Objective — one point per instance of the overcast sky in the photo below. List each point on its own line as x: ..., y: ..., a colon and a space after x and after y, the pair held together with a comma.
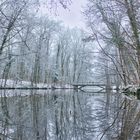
x: 71, y: 17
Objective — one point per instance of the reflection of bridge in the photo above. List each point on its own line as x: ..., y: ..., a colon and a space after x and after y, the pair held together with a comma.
x: 81, y: 85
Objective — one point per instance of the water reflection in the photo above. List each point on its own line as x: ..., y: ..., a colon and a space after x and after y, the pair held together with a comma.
x: 64, y: 115
x: 45, y: 115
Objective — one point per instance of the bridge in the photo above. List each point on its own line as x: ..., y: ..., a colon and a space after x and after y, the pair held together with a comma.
x: 81, y: 85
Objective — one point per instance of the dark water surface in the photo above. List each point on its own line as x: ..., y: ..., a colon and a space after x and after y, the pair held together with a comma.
x: 56, y: 115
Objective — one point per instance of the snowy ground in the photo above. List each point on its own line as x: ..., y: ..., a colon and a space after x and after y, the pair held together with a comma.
x: 27, y: 84
x: 131, y: 88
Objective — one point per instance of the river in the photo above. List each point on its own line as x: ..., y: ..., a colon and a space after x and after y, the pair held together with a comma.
x: 58, y: 115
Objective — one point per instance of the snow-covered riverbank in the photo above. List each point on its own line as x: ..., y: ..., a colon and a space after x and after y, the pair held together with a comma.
x: 26, y: 84
x: 132, y: 90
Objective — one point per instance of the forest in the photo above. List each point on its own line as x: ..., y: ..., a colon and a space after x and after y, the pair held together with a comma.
x: 39, y: 51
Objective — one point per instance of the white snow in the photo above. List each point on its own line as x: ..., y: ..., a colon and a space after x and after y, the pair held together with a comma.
x: 16, y: 84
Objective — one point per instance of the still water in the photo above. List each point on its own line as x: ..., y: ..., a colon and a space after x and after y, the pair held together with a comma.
x: 56, y: 115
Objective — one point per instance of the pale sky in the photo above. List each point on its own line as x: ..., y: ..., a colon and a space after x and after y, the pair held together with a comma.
x: 71, y: 17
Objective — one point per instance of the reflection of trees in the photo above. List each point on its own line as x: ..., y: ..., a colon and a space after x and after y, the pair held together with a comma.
x: 58, y: 115
x: 130, y: 120
x: 4, y: 115
x: 120, y: 118
x: 35, y: 115
x: 71, y: 117
x: 51, y: 116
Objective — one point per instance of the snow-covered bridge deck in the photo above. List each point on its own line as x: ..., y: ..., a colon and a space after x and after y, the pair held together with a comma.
x: 81, y: 85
